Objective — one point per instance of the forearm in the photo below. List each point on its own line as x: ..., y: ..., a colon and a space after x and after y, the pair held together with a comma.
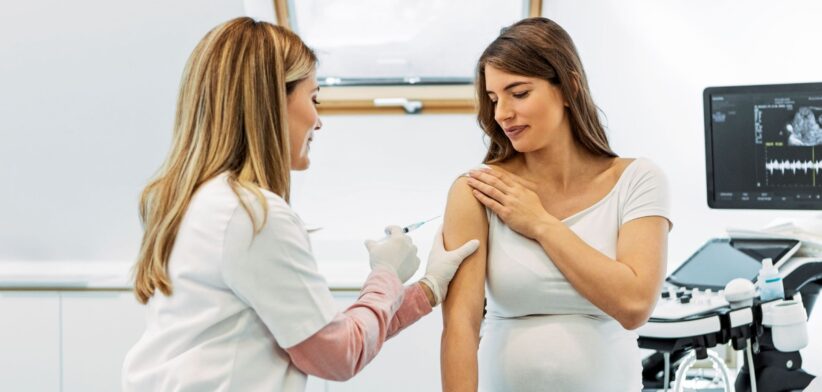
x: 613, y: 286
x: 458, y: 359
x: 343, y: 347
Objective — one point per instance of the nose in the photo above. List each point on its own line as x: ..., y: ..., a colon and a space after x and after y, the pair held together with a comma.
x: 318, y: 125
x: 502, y: 112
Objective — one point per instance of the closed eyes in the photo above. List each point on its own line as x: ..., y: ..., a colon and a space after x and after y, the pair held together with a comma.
x: 521, y: 95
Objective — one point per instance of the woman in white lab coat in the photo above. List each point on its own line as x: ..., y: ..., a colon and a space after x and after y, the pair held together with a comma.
x: 234, y: 299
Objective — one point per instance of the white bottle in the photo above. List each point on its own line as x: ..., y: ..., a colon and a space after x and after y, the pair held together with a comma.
x: 769, y: 282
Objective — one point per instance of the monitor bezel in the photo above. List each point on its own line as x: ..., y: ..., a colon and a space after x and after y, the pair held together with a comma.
x: 709, y: 159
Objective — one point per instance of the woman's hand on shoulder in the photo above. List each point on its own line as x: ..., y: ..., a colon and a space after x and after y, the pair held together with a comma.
x: 512, y: 198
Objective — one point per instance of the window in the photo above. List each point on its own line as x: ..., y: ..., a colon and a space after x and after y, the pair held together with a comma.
x: 399, y: 55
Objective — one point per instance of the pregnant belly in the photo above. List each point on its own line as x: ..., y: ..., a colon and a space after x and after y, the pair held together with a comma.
x: 558, y: 353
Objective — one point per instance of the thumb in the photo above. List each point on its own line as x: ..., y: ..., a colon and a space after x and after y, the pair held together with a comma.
x: 369, y: 244
x: 466, y: 249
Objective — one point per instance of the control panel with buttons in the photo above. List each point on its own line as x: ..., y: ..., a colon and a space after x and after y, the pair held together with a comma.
x: 681, y: 302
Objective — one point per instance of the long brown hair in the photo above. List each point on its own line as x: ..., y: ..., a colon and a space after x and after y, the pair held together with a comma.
x: 538, y: 47
x: 231, y: 117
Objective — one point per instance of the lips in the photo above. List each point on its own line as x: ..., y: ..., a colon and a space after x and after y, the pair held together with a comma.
x: 514, y: 131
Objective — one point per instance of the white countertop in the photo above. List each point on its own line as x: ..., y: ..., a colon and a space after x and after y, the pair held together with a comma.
x: 116, y: 275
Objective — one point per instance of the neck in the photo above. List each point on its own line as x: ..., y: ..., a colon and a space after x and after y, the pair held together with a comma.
x: 561, y: 164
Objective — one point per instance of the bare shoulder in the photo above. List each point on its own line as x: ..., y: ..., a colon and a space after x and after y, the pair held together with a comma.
x: 622, y: 163
x: 643, y: 167
x: 617, y: 167
x: 461, y: 201
x: 460, y: 188
x: 465, y: 216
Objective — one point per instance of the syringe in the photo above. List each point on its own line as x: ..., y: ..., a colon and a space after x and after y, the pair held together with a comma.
x: 414, y: 226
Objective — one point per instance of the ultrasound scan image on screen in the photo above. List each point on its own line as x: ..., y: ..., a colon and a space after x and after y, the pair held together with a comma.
x: 764, y: 146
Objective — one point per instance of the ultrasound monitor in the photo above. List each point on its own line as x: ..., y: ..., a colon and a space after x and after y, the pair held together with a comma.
x: 761, y: 146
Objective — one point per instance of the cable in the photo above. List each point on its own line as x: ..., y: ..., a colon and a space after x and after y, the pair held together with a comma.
x: 750, y: 365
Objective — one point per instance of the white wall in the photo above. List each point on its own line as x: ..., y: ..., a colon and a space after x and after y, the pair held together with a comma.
x: 87, y: 95
x: 367, y: 172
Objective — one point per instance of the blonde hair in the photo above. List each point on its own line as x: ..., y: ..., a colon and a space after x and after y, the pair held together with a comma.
x: 231, y: 117
x: 539, y: 47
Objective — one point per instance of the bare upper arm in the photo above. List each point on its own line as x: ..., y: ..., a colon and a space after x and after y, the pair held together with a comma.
x: 465, y: 219
x: 642, y: 245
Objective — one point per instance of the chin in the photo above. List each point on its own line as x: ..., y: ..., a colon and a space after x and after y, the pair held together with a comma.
x: 301, y: 165
x: 522, y: 147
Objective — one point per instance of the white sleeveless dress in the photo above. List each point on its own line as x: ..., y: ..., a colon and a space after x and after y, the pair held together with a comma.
x: 539, y: 333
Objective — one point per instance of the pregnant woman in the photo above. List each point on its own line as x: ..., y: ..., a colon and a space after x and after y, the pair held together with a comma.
x: 573, y: 237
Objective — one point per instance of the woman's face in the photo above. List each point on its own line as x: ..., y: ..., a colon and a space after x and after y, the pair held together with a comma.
x: 303, y: 120
x: 531, y: 111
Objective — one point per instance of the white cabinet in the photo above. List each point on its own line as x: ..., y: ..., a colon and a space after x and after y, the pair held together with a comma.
x: 98, y: 330
x: 73, y: 341
x: 409, y: 361
x: 29, y: 341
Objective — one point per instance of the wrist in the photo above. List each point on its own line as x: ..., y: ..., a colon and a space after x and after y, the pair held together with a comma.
x: 545, y: 228
x: 425, y: 285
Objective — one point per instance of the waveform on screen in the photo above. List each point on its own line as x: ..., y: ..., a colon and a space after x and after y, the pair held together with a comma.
x: 792, y: 167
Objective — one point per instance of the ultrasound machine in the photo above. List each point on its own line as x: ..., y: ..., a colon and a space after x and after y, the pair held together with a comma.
x: 760, y: 145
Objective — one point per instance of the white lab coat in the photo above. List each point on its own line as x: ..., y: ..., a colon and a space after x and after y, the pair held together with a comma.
x: 238, y: 300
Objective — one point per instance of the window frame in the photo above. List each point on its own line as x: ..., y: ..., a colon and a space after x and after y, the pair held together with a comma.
x: 395, y: 99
